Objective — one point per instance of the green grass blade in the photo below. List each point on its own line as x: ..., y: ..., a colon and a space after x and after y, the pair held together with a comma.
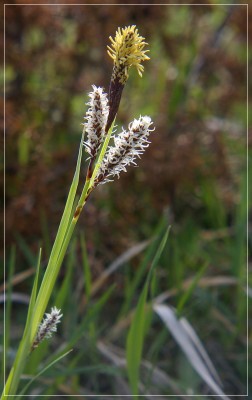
x: 7, y: 316
x: 187, y: 294
x: 45, y: 227
x: 134, y: 344
x: 34, y: 291
x: 25, y: 343
x: 42, y: 372
x: 86, y: 268
x: 158, y: 254
x: 53, y: 267
x: 143, y: 265
x: 65, y: 288
x: 29, y: 255
x: 46, y: 286
x: 135, y: 338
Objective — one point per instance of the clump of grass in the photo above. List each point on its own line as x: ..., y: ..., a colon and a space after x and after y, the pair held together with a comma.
x: 106, y: 161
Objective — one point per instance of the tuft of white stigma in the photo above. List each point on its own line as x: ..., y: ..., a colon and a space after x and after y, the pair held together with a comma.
x: 48, y: 326
x: 96, y: 119
x: 128, y: 145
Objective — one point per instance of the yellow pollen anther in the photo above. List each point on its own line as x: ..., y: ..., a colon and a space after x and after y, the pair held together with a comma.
x: 127, y: 50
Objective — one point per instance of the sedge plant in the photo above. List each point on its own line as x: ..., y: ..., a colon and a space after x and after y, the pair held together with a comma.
x: 109, y: 154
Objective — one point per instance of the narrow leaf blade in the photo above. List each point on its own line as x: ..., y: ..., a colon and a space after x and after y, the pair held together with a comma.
x: 176, y: 328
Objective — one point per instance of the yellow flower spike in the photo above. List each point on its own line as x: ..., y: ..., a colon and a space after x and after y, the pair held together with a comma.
x: 127, y: 50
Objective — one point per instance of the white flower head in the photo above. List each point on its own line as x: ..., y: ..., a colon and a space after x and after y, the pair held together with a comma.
x: 128, y: 145
x: 48, y: 326
x: 96, y: 119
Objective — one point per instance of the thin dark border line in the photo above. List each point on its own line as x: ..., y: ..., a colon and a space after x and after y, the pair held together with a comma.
x: 122, y: 4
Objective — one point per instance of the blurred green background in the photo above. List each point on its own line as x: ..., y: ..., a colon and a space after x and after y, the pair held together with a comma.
x: 193, y: 177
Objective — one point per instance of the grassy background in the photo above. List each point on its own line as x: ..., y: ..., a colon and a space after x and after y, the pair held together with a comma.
x: 192, y: 177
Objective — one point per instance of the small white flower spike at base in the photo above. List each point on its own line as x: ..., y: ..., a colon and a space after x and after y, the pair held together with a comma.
x: 47, y: 327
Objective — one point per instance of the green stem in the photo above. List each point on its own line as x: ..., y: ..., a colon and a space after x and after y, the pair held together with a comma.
x: 46, y: 288
x: 59, y: 249
x: 18, y: 366
x: 49, y: 280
